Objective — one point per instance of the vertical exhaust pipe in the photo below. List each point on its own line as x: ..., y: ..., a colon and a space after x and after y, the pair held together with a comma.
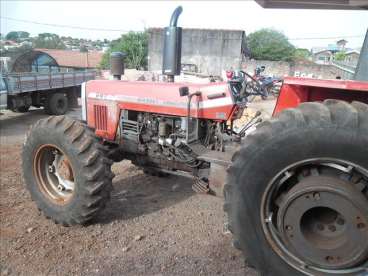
x: 117, y: 64
x: 172, y: 47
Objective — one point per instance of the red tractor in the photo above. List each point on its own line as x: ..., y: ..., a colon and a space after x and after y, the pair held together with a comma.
x: 295, y: 189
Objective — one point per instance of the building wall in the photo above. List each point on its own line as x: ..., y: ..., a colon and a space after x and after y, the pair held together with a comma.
x: 322, y: 57
x: 352, y: 59
x: 210, y: 50
x: 297, y: 69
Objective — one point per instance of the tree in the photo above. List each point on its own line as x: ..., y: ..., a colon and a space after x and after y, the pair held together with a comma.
x: 17, y: 36
x: 269, y: 44
x: 340, y: 56
x: 134, y: 45
x: 301, y: 54
x: 48, y: 41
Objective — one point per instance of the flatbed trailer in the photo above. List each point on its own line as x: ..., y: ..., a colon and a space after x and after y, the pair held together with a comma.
x: 56, y: 92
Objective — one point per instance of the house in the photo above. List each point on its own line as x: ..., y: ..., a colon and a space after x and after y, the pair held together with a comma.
x: 46, y: 60
x: 341, y: 44
x: 9, y: 44
x: 74, y: 59
x: 323, y: 57
x: 352, y: 57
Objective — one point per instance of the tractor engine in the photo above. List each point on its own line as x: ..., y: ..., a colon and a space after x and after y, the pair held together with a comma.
x: 163, y: 138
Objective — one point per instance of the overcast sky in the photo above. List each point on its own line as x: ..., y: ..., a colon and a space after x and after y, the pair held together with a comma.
x: 137, y: 15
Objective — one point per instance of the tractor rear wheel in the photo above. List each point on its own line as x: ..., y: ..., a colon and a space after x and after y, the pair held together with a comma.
x: 297, y: 192
x: 66, y: 171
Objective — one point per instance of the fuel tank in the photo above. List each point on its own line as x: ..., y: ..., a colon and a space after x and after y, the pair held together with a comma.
x: 105, y: 98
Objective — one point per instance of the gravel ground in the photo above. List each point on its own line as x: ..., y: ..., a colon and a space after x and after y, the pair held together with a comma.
x: 152, y: 226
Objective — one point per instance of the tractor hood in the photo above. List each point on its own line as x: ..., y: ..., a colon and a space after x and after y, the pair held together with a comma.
x: 215, y: 102
x: 103, y: 101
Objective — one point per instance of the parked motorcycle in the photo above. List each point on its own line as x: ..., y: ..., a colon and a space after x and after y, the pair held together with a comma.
x: 243, y: 83
x: 271, y: 85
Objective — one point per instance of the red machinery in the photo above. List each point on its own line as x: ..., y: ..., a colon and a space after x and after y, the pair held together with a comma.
x: 296, y: 189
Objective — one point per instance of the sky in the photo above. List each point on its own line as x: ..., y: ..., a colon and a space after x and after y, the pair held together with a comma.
x: 121, y: 16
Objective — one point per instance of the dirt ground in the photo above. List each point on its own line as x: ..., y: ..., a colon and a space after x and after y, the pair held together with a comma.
x: 152, y: 226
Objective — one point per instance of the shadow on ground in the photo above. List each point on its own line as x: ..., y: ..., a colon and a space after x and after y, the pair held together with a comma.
x: 140, y: 194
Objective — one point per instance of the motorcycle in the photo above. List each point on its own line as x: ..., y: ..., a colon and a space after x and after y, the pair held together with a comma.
x: 248, y: 86
x: 271, y: 85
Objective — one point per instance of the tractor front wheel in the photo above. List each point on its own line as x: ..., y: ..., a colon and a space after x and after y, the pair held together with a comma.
x: 297, y: 192
x: 66, y: 171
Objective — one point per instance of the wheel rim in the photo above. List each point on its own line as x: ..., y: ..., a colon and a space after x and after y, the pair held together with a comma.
x: 315, y: 216
x: 60, y: 104
x: 54, y: 174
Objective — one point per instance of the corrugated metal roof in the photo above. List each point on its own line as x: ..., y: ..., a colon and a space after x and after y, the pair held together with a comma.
x: 77, y: 59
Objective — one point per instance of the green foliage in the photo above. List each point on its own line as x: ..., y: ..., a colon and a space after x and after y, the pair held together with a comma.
x: 17, y: 36
x: 48, y: 41
x: 134, y: 45
x: 340, y: 56
x: 269, y: 44
x: 301, y: 54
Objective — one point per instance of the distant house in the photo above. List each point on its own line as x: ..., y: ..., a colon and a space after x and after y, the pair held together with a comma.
x: 74, y: 59
x: 352, y: 57
x: 341, y: 44
x: 323, y: 57
x: 50, y: 60
x: 9, y: 44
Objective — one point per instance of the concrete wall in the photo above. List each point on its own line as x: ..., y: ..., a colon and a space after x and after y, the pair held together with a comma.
x: 210, y: 50
x: 300, y: 69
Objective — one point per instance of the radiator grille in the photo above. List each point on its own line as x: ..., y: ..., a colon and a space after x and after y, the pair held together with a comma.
x: 100, y: 112
x: 129, y: 129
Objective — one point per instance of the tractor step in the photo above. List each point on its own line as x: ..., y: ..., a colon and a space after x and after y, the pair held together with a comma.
x: 200, y: 186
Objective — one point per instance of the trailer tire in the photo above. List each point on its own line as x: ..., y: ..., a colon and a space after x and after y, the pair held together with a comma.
x: 288, y: 150
x: 22, y: 109
x: 66, y: 171
x: 56, y: 104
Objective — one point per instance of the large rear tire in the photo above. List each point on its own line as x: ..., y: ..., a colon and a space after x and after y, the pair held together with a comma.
x: 66, y: 171
x: 297, y: 192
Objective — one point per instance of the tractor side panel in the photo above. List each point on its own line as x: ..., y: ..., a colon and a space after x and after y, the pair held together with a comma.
x: 297, y: 90
x: 105, y: 99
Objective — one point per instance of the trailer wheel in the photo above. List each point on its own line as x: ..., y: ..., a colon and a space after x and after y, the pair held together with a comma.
x: 66, y: 171
x: 22, y: 109
x: 297, y: 192
x: 56, y: 104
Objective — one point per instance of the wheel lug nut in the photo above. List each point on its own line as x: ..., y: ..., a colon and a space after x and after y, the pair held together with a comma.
x: 332, y: 228
x: 361, y: 225
x: 289, y: 227
x: 340, y: 221
x: 316, y: 196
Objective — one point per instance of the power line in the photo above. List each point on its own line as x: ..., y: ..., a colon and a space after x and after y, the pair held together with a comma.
x: 335, y: 37
x: 64, y: 26
x: 125, y: 31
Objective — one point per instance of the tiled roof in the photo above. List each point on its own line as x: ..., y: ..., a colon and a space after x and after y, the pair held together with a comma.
x: 67, y: 58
